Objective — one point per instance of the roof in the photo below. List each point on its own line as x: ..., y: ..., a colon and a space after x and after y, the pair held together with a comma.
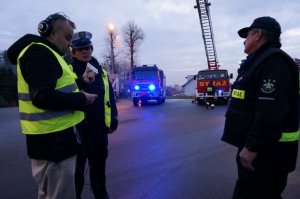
x: 190, y: 79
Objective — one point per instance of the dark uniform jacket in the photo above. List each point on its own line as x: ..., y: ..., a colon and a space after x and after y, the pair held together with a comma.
x: 41, y: 69
x: 210, y: 89
x: 264, y: 106
x: 95, y: 112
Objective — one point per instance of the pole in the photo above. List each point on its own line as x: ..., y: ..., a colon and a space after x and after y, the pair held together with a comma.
x: 112, y: 52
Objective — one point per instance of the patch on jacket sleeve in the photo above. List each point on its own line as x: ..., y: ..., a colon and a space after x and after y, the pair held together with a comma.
x: 268, y: 86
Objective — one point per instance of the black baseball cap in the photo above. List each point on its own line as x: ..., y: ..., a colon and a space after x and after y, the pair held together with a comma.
x: 268, y: 24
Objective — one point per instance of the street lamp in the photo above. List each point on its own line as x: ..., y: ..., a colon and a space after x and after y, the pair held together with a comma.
x: 111, y: 29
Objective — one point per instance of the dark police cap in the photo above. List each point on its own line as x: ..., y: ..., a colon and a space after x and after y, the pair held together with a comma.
x: 268, y: 24
x: 81, y: 39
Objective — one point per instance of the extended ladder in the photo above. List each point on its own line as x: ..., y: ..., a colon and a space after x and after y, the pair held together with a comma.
x: 207, y: 34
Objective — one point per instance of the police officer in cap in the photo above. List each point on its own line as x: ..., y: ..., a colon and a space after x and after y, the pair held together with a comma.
x: 262, y: 118
x: 101, y: 118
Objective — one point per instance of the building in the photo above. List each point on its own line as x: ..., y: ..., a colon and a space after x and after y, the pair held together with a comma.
x: 190, y: 86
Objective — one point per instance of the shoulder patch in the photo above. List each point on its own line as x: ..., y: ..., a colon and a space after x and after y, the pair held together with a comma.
x: 268, y: 86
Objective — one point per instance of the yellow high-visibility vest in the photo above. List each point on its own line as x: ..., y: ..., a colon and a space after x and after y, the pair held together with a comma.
x: 209, y: 89
x: 107, y: 104
x: 40, y: 121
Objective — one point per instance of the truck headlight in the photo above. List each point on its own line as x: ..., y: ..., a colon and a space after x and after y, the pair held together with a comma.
x: 151, y: 87
x: 137, y: 87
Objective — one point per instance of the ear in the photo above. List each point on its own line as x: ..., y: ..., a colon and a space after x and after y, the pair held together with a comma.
x: 53, y: 32
x: 259, y: 35
x: 51, y: 36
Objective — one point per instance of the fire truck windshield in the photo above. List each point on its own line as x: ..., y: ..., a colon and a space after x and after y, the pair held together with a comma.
x: 144, y: 75
x: 213, y: 74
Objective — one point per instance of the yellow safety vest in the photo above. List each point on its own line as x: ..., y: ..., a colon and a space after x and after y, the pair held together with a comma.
x: 107, y: 104
x: 40, y: 121
x: 209, y: 89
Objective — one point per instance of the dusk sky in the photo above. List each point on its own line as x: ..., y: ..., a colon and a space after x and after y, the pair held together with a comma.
x: 172, y: 30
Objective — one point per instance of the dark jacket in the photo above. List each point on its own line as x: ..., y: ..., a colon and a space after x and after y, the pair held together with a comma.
x: 40, y: 69
x: 210, y: 89
x: 268, y: 108
x: 95, y: 112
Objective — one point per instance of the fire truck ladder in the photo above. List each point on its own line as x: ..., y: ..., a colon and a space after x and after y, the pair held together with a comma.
x: 207, y: 33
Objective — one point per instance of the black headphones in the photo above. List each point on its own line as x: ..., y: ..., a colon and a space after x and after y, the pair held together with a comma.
x: 45, y: 27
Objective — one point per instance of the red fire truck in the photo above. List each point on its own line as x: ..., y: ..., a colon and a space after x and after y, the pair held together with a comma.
x: 219, y: 78
x: 148, y: 82
x: 220, y: 81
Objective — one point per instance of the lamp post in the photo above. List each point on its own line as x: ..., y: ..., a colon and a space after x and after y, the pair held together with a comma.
x: 112, y: 40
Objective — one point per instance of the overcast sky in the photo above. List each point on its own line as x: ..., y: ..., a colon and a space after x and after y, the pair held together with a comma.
x: 172, y: 30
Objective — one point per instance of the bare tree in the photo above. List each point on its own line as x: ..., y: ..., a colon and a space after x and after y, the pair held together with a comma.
x: 133, y: 36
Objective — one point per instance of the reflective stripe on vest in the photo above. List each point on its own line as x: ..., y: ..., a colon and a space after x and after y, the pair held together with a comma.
x: 107, y: 104
x: 43, y: 115
x: 35, y: 120
x: 289, y: 136
x: 66, y: 89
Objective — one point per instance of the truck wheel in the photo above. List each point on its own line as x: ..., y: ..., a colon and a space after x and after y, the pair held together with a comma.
x: 159, y: 101
x: 200, y: 102
x: 226, y: 102
x: 143, y: 102
x: 135, y: 102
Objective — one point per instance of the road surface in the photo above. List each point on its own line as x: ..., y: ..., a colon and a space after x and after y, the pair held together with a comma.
x: 168, y: 151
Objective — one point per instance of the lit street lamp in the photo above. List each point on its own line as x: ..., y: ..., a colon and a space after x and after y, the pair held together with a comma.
x: 112, y: 40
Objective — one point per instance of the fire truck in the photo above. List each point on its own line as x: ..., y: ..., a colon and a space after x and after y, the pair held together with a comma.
x: 219, y: 78
x: 148, y: 82
x: 220, y: 81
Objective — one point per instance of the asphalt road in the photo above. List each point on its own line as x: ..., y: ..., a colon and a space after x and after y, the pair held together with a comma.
x: 168, y: 151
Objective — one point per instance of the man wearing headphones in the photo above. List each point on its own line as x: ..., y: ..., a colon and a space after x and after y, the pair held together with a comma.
x: 101, y: 118
x: 50, y: 104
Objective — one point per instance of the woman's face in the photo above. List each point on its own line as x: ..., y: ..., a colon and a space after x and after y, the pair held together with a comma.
x: 83, y: 54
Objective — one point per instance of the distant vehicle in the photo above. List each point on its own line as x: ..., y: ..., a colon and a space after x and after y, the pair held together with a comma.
x: 220, y: 80
x: 148, y: 82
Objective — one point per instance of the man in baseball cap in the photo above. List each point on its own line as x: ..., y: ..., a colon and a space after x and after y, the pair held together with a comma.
x: 262, y: 118
x: 268, y: 24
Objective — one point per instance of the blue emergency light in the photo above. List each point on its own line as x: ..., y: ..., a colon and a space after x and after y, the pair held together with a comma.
x: 151, y: 87
x: 137, y: 87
